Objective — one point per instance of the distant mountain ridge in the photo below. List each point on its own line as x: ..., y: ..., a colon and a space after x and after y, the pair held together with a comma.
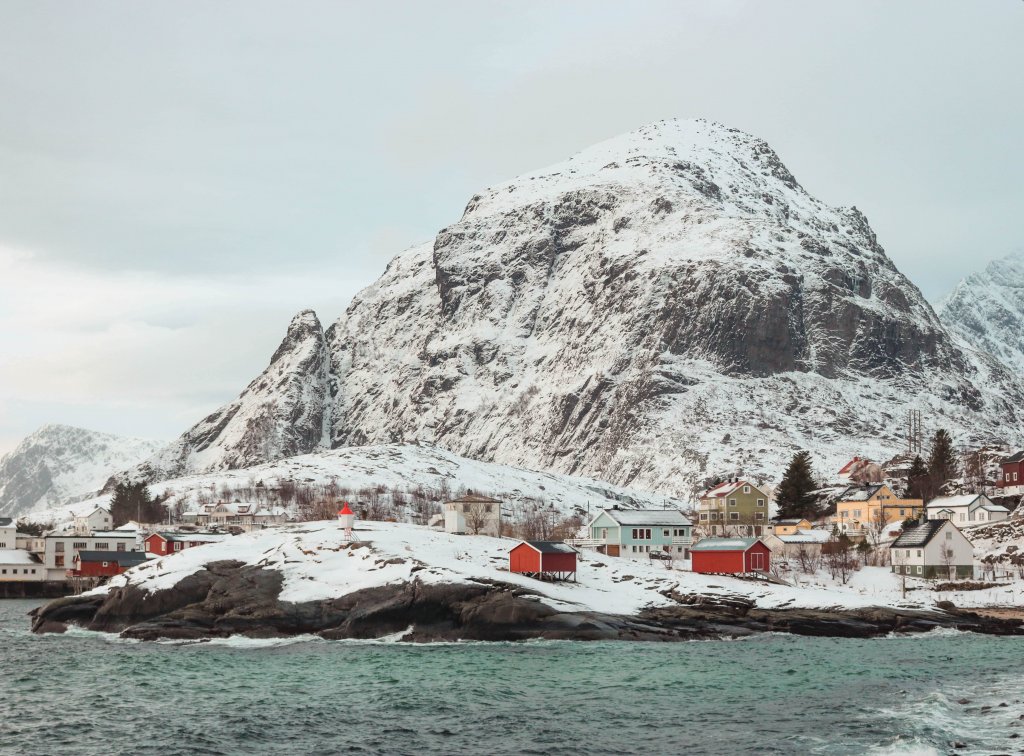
x: 60, y: 462
x: 986, y: 309
x: 660, y: 307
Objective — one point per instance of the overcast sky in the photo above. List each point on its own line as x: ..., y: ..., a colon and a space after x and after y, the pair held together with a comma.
x: 178, y: 178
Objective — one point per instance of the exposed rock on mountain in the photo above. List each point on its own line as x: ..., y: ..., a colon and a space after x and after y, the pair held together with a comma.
x: 661, y: 306
x: 665, y: 305
x: 58, y: 462
x: 282, y: 413
x: 987, y: 310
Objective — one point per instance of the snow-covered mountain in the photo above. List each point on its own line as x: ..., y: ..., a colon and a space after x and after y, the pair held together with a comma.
x: 282, y: 413
x: 660, y: 307
x: 59, y: 462
x: 987, y: 310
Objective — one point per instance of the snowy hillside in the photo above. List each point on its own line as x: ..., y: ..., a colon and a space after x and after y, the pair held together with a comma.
x: 59, y: 462
x: 664, y: 306
x: 382, y: 472
x: 987, y: 310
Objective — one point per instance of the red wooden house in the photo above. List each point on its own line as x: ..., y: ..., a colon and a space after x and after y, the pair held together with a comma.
x: 730, y: 555
x: 544, y: 560
x: 1012, y: 471
x: 163, y: 544
x: 105, y: 563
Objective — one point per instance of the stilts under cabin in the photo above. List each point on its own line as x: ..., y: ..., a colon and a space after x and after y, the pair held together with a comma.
x: 543, y: 560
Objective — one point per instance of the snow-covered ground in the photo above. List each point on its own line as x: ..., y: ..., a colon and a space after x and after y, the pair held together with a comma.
x: 404, y: 468
x: 318, y: 563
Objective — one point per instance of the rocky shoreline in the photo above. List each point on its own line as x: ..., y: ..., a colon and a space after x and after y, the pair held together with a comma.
x: 230, y: 598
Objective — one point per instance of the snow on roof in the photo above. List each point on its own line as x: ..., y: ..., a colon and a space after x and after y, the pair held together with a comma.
x: 807, y: 536
x: 726, y: 488
x: 860, y: 493
x: 962, y: 500
x: 995, y: 508
x: 550, y: 547
x: 724, y: 544
x: 1018, y: 457
x: 16, y: 556
x: 670, y: 517
x: 920, y: 535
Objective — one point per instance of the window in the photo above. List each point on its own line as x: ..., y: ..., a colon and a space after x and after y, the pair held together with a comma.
x: 919, y: 569
x: 734, y: 515
x: 919, y: 552
x: 665, y: 533
x: 901, y: 513
x: 120, y: 546
x: 634, y: 548
x: 760, y: 502
x: 3, y: 572
x: 961, y: 517
x: 746, y: 489
x: 102, y: 547
x: 59, y: 546
x: 60, y: 560
x: 949, y: 535
x: 1015, y: 476
x: 81, y: 545
x: 732, y: 502
x: 758, y: 515
x: 177, y: 546
x: 703, y: 515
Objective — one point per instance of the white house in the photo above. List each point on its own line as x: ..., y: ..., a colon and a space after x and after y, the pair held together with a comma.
x: 17, y: 565
x: 473, y: 513
x: 97, y: 519
x: 968, y: 509
x: 8, y: 533
x: 791, y: 545
x: 934, y: 549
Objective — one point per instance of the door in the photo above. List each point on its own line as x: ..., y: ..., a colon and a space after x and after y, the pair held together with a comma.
x: 757, y: 561
x: 613, y: 550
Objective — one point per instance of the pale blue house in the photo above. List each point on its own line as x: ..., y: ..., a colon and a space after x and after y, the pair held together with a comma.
x: 639, y: 533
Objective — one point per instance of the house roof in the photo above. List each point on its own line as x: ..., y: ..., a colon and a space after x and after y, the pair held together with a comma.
x: 550, y: 547
x: 789, y: 520
x: 192, y: 537
x: 807, y: 536
x: 472, y: 498
x: 123, y: 558
x: 16, y: 556
x: 860, y: 493
x: 628, y: 517
x: 921, y: 535
x: 1018, y: 457
x: 6, y: 522
x: 850, y: 465
x: 962, y: 500
x: 726, y: 488
x: 724, y: 544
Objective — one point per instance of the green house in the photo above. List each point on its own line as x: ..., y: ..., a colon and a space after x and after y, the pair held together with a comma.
x: 639, y: 533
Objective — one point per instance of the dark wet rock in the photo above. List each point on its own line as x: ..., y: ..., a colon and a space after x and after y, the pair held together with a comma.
x: 228, y: 598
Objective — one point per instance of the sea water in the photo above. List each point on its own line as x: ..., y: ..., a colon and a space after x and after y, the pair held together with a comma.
x: 92, y: 694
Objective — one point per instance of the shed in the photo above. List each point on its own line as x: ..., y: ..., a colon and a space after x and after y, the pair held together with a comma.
x: 106, y: 563
x: 730, y: 555
x: 544, y: 560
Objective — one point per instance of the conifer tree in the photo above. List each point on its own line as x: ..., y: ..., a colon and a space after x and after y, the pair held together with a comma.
x: 919, y: 482
x: 942, y: 464
x: 132, y: 501
x: 794, y: 495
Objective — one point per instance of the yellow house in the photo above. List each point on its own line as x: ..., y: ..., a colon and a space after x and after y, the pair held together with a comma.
x: 862, y: 509
x: 790, y: 525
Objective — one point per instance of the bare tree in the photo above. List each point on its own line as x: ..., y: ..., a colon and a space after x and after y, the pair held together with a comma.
x: 476, y: 517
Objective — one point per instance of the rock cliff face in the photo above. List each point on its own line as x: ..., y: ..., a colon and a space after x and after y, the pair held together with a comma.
x: 987, y: 311
x: 284, y: 412
x: 663, y: 306
x: 58, y: 462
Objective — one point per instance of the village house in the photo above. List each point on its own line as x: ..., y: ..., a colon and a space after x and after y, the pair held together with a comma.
x: 105, y: 563
x: 860, y: 470
x: 1011, y: 477
x: 789, y: 525
x: 8, y: 533
x: 165, y: 543
x: 730, y: 556
x: 791, y: 546
x: 862, y: 510
x: 97, y: 519
x: 472, y: 513
x: 18, y: 565
x: 967, y: 509
x: 933, y: 549
x: 245, y: 515
x: 734, y: 508
x: 639, y: 533
x: 58, y: 550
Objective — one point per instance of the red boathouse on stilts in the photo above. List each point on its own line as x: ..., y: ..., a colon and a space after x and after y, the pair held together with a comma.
x: 544, y: 560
